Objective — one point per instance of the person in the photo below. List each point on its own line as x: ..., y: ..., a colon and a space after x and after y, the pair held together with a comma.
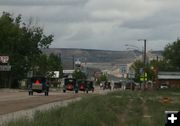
x: 47, y: 86
x: 112, y: 85
x: 101, y: 85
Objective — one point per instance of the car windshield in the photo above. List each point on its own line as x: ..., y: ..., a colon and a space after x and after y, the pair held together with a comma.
x: 69, y: 80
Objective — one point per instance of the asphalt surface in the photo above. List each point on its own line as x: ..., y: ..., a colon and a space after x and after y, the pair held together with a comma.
x: 15, y: 100
x: 15, y: 104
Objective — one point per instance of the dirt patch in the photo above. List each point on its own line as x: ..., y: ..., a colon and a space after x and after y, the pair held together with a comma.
x: 146, y: 114
x: 122, y: 118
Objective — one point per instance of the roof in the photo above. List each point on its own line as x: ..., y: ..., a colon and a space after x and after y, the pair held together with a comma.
x: 169, y: 75
x: 68, y: 71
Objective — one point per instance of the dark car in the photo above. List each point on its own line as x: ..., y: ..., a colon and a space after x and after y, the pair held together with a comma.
x: 107, y: 85
x: 38, y: 84
x: 89, y: 86
x: 81, y: 85
x: 117, y: 85
x: 70, y: 85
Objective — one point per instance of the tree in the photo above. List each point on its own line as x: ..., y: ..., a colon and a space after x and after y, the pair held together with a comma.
x: 103, y: 77
x: 138, y: 68
x: 22, y: 43
x: 53, y: 63
x: 78, y: 74
x: 151, y: 69
x: 46, y: 64
x: 172, y: 55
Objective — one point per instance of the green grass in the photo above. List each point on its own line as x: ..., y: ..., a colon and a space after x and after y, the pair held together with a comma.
x: 121, y: 108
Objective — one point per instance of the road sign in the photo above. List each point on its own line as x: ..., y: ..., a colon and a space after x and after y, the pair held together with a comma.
x: 123, y: 68
x: 131, y: 75
x: 5, y: 68
x: 4, y: 59
x: 142, y: 77
x: 141, y: 71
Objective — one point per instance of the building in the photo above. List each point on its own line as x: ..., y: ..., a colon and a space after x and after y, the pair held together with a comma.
x: 68, y: 73
x: 172, y: 79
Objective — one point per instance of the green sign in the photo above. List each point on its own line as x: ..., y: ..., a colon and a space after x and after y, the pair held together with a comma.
x: 142, y: 78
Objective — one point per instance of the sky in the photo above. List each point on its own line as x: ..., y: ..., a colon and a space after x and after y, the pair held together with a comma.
x: 102, y: 24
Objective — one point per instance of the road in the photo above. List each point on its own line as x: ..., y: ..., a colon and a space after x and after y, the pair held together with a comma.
x: 17, y: 103
x: 11, y: 101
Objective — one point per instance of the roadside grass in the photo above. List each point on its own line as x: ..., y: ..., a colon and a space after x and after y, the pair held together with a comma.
x: 119, y: 108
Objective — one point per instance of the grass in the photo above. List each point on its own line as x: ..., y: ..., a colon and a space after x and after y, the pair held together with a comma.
x: 125, y: 108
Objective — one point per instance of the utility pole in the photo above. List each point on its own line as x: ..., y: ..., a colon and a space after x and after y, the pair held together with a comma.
x: 73, y: 61
x: 144, y: 73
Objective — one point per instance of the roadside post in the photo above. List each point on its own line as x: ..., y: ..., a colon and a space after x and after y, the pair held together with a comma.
x: 4, y: 68
x: 123, y: 71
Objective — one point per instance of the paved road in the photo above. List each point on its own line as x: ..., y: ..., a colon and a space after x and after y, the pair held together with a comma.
x: 15, y: 104
x: 15, y: 100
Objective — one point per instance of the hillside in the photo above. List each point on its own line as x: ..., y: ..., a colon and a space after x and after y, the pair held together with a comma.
x: 104, y: 60
x: 93, y: 56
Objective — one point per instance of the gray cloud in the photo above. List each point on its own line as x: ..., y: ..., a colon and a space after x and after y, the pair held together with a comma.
x: 157, y: 20
x: 41, y: 2
x: 102, y: 24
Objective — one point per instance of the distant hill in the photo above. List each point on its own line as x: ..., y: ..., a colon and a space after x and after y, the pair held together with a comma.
x: 93, y: 56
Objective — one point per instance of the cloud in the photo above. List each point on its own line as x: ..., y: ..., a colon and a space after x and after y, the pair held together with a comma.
x: 102, y: 24
x: 41, y: 2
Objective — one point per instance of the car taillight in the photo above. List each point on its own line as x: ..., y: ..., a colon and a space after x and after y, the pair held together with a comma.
x: 37, y: 82
x: 69, y: 86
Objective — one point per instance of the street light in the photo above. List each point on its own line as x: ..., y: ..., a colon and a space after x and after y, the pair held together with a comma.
x: 144, y: 58
x: 132, y: 50
x: 133, y: 47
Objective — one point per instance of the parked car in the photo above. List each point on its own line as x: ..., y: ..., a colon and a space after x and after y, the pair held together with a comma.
x: 163, y: 86
x: 70, y: 84
x: 38, y: 84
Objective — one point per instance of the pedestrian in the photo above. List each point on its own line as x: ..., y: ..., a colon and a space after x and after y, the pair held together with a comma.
x: 112, y: 85
x: 101, y: 85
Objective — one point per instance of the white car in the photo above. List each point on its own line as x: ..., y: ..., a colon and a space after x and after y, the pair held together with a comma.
x: 164, y: 86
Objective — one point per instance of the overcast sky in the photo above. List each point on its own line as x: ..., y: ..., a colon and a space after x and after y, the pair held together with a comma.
x: 102, y: 24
